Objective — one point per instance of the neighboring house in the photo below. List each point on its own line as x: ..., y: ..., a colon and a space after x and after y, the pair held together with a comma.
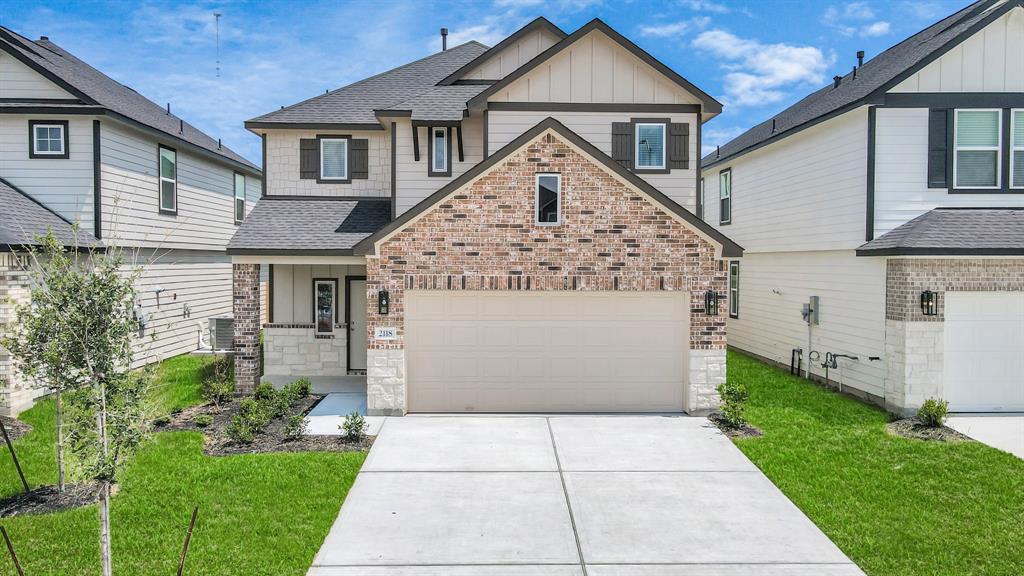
x: 895, y: 196
x: 77, y: 146
x: 491, y: 229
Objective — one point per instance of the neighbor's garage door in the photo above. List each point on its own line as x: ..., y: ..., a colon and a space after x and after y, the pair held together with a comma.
x: 984, y: 351
x: 546, y: 351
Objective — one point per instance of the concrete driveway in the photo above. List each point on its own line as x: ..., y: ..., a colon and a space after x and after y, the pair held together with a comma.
x: 1002, y: 431
x: 568, y: 495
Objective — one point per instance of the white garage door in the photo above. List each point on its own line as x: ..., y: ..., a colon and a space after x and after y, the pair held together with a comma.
x: 984, y: 351
x: 546, y: 351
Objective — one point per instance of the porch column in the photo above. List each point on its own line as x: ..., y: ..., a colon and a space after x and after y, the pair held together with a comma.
x: 246, y: 308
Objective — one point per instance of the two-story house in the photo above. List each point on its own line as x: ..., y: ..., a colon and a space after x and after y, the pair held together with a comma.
x: 491, y: 229
x: 883, y: 221
x: 78, y: 147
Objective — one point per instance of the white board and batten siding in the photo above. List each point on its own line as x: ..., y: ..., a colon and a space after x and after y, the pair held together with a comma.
x: 596, y: 127
x: 990, y: 61
x: 513, y: 56
x: 62, y: 184
x: 293, y: 289
x: 413, y: 183
x: 283, y: 165
x: 594, y: 69
x: 19, y: 81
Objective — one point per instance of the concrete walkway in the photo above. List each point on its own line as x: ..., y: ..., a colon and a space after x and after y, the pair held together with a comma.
x: 568, y: 495
x: 1002, y: 431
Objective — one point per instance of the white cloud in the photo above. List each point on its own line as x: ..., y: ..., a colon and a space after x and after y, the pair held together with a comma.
x: 488, y: 34
x: 880, y: 28
x: 706, y: 6
x: 712, y: 137
x: 558, y: 5
x: 675, y: 28
x: 759, y: 73
x: 853, y: 19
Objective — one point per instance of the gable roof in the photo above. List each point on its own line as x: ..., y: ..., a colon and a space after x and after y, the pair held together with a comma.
x: 101, y: 94
x: 729, y: 248
x: 710, y: 104
x: 308, y: 225
x: 538, y: 23
x: 356, y: 103
x: 24, y: 218
x: 953, y: 231
x: 871, y: 81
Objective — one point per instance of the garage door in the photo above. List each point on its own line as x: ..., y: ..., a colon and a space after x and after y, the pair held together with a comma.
x: 984, y: 351
x: 546, y: 351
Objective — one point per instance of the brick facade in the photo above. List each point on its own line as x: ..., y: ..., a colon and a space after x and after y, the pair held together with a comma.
x: 246, y: 308
x: 16, y: 392
x: 484, y: 237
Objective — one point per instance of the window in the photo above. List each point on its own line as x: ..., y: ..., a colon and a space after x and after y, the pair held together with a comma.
x: 977, y: 140
x: 725, y: 197
x: 549, y: 187
x: 325, y: 309
x: 650, y: 146
x: 239, y: 197
x: 334, y: 158
x: 440, y: 160
x: 1017, y: 149
x: 168, y: 181
x: 734, y: 289
x: 48, y: 138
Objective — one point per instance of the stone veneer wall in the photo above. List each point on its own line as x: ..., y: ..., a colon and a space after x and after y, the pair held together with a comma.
x: 296, y: 350
x: 484, y: 237
x: 914, y: 342
x: 246, y: 309
x: 16, y: 392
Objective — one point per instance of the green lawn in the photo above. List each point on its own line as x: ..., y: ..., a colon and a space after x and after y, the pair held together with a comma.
x: 893, y: 505
x: 259, y: 514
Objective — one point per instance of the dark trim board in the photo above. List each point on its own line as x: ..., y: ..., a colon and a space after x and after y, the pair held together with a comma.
x: 65, y: 145
x: 954, y: 100
x: 923, y: 251
x: 263, y: 180
x: 485, y: 135
x: 40, y: 101
x: 698, y: 202
x: 97, y: 182
x: 585, y: 107
x: 394, y: 168
x: 348, y: 318
x: 313, y: 126
x: 270, y: 293
x: 289, y: 252
x: 869, y: 223
x: 436, y: 123
x: 43, y: 109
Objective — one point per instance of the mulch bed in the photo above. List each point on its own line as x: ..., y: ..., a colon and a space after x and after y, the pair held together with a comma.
x: 271, y: 440
x: 46, y: 499
x: 913, y: 428
x: 15, y: 428
x: 747, y: 431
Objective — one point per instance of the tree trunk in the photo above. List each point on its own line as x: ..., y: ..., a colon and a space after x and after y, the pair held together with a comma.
x: 105, y: 528
x: 60, y: 442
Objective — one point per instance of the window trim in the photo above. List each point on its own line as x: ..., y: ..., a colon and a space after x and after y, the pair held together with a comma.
x: 1012, y: 149
x: 664, y: 122
x: 722, y: 221
x: 234, y: 202
x: 734, y: 301
x: 998, y: 149
x: 160, y: 180
x: 536, y: 199
x: 320, y: 178
x: 447, y: 172
x: 63, y: 125
x: 334, y: 302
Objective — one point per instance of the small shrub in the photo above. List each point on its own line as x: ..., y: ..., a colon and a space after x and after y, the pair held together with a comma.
x: 202, y: 420
x: 218, y: 392
x: 240, y: 430
x: 354, y: 426
x: 296, y: 427
x: 255, y: 414
x: 734, y: 396
x: 265, y: 391
x: 933, y: 412
x: 299, y: 389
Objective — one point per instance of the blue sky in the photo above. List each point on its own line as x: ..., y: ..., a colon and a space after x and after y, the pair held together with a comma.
x: 755, y: 57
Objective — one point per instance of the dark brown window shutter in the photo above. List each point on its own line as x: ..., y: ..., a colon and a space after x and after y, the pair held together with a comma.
x: 679, y: 146
x: 359, y: 159
x: 938, y: 143
x: 622, y: 143
x: 309, y: 159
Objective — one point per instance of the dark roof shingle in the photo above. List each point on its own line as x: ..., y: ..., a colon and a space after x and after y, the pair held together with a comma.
x: 23, y: 219
x: 951, y: 231
x: 309, y: 225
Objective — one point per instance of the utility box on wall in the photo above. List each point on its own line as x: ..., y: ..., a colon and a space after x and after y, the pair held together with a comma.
x: 810, y: 311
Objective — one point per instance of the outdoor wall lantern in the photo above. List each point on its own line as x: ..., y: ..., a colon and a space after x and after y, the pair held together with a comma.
x: 383, y: 302
x: 711, y: 303
x: 929, y: 303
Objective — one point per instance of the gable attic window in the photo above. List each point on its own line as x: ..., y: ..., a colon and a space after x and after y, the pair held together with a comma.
x: 548, y: 198
x: 334, y: 159
x: 48, y: 139
x: 650, y: 146
x: 239, y: 197
x: 725, y: 197
x: 168, y: 159
x: 1017, y: 149
x: 976, y: 143
x: 439, y: 151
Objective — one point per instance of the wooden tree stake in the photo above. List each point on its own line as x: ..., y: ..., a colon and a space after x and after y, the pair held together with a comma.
x: 14, y: 456
x: 188, y: 538
x: 10, y: 548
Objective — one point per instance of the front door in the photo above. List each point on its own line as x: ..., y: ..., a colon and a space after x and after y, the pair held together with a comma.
x: 356, y: 319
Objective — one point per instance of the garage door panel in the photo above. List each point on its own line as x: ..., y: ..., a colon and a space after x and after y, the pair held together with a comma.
x: 983, y: 351
x: 546, y: 352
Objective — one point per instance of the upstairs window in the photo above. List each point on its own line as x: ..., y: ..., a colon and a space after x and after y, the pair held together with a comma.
x: 549, y: 189
x: 977, y: 140
x: 439, y: 151
x: 168, y: 180
x: 734, y: 289
x: 334, y: 158
x: 1017, y: 152
x: 48, y: 139
x: 725, y: 197
x: 650, y: 146
x: 239, y: 197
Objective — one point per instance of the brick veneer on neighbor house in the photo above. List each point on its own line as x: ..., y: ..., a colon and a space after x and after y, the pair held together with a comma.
x: 246, y: 309
x: 914, y: 342
x: 484, y: 237
x: 16, y: 392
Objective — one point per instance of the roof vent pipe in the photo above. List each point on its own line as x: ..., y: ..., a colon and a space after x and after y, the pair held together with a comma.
x: 773, y: 125
x: 181, y: 126
x: 836, y: 80
x: 44, y: 38
x: 718, y: 151
x: 444, y: 39
x: 854, y: 72
x: 860, y: 58
x: 168, y: 108
x: 218, y: 143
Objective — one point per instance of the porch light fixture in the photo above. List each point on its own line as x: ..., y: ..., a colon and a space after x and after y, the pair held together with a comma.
x: 383, y: 302
x: 929, y: 303
x: 711, y: 303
